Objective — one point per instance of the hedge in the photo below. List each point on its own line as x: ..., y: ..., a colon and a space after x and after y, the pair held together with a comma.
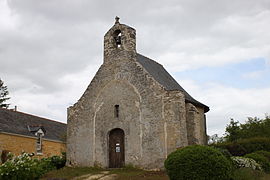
x: 245, y: 146
x: 259, y: 158
x: 198, y: 162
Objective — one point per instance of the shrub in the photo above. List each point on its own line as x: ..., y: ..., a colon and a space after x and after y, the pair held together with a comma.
x: 245, y: 146
x: 198, y: 162
x: 22, y: 167
x: 225, y: 152
x: 247, y: 174
x: 234, y: 148
x: 264, y: 153
x: 46, y: 165
x: 25, y: 167
x: 255, y: 144
x: 263, y: 161
x: 244, y: 162
x: 56, y: 161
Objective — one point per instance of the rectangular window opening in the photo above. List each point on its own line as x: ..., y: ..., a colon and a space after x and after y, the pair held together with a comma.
x: 116, y: 111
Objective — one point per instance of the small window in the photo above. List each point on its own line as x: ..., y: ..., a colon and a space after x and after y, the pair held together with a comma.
x: 39, y: 144
x: 116, y: 111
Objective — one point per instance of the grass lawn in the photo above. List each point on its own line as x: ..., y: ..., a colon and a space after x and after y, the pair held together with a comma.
x: 266, y: 177
x: 123, y: 174
x: 137, y: 174
x: 249, y: 174
x: 130, y: 173
x: 70, y: 172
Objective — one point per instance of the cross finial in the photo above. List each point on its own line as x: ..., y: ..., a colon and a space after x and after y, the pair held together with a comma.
x: 117, y: 20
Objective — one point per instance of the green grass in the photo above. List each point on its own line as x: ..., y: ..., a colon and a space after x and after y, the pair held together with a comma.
x: 70, y: 172
x: 265, y: 177
x: 249, y: 174
x: 131, y: 173
x: 138, y: 174
x: 127, y: 173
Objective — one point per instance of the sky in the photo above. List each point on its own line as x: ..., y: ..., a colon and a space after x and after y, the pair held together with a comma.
x: 218, y: 51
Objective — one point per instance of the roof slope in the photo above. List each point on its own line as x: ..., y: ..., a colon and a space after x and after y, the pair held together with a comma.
x: 17, y: 123
x: 160, y: 74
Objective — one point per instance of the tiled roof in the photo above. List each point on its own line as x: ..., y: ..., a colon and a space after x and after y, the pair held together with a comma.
x: 159, y: 73
x: 23, y: 124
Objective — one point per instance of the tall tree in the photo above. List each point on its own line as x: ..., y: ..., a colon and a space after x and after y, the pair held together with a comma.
x: 253, y: 127
x: 232, y: 131
x: 3, y: 95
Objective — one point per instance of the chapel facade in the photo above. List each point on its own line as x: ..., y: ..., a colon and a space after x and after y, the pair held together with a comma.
x: 132, y: 112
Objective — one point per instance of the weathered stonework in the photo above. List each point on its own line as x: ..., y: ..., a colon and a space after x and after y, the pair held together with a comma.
x: 155, y: 120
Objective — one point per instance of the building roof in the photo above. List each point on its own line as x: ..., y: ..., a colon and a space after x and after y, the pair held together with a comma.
x: 25, y: 124
x: 159, y: 73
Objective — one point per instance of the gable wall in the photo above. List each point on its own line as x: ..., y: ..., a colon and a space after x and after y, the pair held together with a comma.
x: 149, y: 116
x: 155, y: 121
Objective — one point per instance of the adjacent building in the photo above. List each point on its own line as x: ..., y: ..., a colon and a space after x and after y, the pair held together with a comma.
x: 21, y: 132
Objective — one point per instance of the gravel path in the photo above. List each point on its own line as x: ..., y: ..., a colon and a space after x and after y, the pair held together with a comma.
x: 104, y: 175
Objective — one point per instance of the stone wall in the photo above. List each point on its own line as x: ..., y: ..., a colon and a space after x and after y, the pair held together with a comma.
x: 128, y: 42
x: 141, y: 117
x: 196, y: 125
x: 153, y: 119
x: 175, y: 120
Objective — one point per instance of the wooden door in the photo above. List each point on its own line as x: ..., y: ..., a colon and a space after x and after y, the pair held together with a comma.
x: 116, y: 148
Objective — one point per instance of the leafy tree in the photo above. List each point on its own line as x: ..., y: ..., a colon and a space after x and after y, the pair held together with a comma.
x: 3, y: 95
x: 232, y: 131
x: 254, y: 127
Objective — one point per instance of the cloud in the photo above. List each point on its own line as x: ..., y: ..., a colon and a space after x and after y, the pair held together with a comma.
x: 8, y: 20
x: 32, y: 99
x: 228, y: 102
x: 230, y: 40
x: 50, y: 50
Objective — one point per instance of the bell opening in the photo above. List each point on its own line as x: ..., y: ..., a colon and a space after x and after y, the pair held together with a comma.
x: 117, y: 38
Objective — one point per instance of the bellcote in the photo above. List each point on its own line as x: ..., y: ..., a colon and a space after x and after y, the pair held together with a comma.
x: 119, y: 39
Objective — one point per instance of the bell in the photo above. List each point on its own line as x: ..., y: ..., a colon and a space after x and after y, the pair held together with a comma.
x: 118, y: 40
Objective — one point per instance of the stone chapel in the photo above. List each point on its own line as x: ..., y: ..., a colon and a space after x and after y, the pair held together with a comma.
x: 132, y: 112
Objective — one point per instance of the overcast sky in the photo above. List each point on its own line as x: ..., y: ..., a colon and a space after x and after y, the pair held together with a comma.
x: 219, y: 51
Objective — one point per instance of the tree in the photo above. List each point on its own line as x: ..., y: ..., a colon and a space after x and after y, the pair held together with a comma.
x: 232, y: 131
x: 3, y: 95
x: 253, y: 127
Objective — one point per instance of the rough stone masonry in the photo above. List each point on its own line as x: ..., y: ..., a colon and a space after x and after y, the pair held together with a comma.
x: 133, y: 111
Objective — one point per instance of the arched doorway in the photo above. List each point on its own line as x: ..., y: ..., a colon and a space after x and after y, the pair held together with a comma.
x: 116, y: 148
